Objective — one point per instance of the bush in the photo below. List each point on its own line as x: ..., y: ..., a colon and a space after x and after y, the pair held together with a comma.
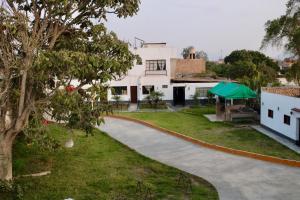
x: 117, y: 99
x: 154, y: 98
x: 146, y: 105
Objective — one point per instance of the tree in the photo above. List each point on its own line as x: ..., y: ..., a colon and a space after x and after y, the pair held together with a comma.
x: 293, y: 73
x: 44, y: 45
x: 199, y: 54
x: 255, y: 57
x: 285, y: 30
x: 218, y: 69
x: 117, y: 99
x: 154, y: 98
x: 251, y: 68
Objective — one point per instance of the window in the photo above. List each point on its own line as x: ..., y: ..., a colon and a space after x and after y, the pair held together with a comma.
x: 202, y: 91
x: 270, y: 113
x: 155, y: 65
x: 287, y: 119
x: 121, y: 90
x: 165, y: 86
x: 147, y: 89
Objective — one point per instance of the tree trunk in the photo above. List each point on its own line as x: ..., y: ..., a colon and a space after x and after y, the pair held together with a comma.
x: 5, y: 159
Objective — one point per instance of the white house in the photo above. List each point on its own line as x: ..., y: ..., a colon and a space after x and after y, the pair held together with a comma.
x: 280, y: 111
x: 162, y: 71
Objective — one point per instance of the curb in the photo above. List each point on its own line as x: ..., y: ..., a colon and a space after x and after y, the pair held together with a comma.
x: 271, y: 159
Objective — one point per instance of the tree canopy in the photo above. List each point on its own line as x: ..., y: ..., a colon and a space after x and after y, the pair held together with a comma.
x: 285, y: 30
x: 293, y: 73
x: 249, y: 67
x: 44, y: 47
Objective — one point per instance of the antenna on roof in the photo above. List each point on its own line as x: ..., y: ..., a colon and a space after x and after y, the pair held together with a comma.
x: 140, y: 40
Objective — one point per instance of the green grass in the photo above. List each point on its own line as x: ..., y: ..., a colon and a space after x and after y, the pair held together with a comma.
x: 191, y: 122
x: 98, y: 167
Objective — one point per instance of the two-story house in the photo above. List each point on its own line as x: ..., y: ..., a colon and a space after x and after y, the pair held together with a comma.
x: 161, y: 70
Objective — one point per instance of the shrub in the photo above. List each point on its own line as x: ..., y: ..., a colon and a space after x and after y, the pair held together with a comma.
x: 154, y: 98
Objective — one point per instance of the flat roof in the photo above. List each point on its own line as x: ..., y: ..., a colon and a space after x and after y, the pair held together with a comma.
x: 286, y: 91
x: 196, y: 80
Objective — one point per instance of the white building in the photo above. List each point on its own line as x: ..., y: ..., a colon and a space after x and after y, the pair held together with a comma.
x: 160, y: 70
x: 280, y: 111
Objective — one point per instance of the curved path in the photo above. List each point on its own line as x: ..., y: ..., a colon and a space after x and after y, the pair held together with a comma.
x: 235, y: 177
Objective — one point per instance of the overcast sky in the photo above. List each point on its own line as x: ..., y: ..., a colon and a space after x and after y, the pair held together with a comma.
x: 215, y: 26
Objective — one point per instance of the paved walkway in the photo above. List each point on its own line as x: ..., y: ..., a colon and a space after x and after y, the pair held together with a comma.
x: 132, y: 107
x: 278, y: 138
x: 214, y: 118
x: 236, y: 178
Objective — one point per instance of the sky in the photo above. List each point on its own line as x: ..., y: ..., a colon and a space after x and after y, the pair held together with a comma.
x: 215, y: 26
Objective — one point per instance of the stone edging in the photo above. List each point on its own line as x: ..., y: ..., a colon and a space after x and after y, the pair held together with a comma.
x: 291, y: 163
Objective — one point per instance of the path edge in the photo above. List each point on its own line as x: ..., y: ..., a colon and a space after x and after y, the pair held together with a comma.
x: 271, y: 159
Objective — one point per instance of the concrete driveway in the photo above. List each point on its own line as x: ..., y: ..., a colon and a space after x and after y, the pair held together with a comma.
x: 236, y: 178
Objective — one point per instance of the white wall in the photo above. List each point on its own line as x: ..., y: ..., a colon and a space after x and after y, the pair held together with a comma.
x: 281, y: 105
x: 190, y: 88
x: 136, y: 76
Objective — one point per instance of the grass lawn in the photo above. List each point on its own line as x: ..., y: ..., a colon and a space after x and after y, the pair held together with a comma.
x: 98, y: 167
x: 191, y: 122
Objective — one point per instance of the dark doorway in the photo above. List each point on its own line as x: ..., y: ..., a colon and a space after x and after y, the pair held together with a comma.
x: 133, y: 94
x: 179, y: 96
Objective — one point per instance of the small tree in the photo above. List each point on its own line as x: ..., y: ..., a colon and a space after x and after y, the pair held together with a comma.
x: 154, y: 98
x: 196, y: 98
x: 117, y: 99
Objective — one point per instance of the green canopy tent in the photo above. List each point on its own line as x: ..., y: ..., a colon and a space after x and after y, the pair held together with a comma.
x: 233, y: 91
x: 217, y: 87
x: 230, y: 91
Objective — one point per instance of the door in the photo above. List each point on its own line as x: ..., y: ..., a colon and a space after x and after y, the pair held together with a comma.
x: 179, y: 96
x: 133, y: 94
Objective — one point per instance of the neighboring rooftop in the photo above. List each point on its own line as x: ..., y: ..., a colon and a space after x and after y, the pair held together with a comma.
x: 287, y: 91
x: 154, y: 44
x: 183, y: 67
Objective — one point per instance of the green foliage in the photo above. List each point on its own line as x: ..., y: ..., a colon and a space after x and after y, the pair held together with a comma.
x: 218, y: 69
x: 154, y: 98
x: 285, y: 30
x: 76, y: 109
x: 196, y: 97
x: 293, y: 73
x: 117, y: 100
x: 11, y: 190
x: 45, y: 46
x: 248, y: 67
x: 255, y: 57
